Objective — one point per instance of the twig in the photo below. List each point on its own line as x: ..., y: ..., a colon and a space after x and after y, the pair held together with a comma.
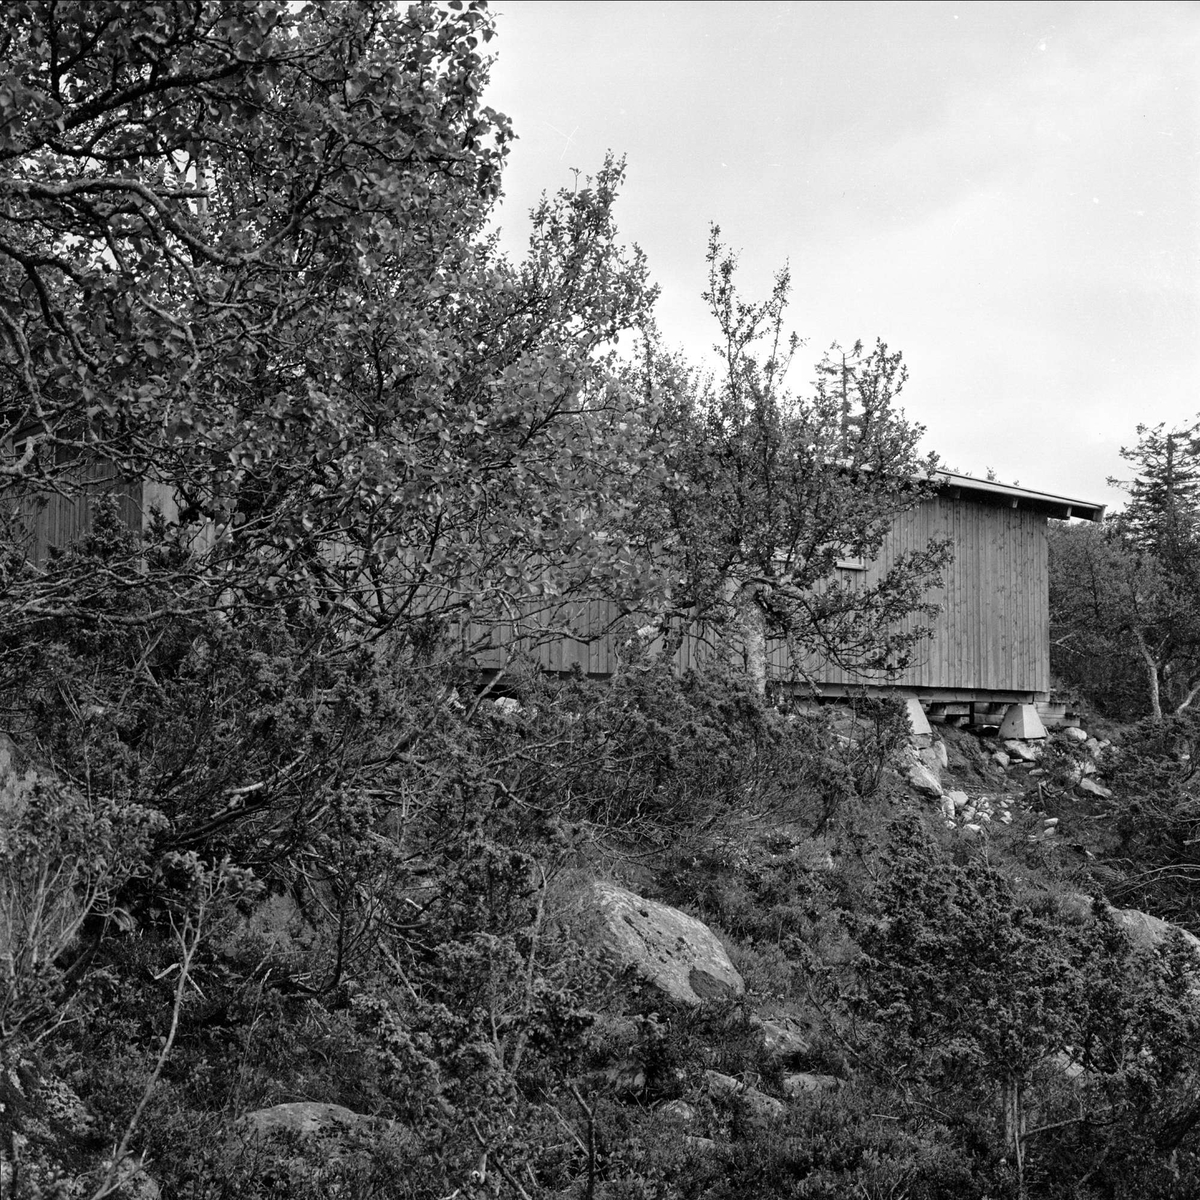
x: 590, y: 1113
x: 505, y: 1173
x: 563, y: 1122
x: 189, y: 941
x: 1056, y: 1125
x: 522, y: 1033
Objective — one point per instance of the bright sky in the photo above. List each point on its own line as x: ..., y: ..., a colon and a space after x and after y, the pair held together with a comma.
x: 1009, y: 193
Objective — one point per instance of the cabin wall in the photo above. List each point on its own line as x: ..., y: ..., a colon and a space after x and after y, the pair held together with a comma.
x: 993, y: 631
x: 60, y: 520
x: 992, y: 635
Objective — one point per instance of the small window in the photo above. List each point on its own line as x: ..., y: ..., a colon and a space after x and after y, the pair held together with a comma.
x: 848, y: 563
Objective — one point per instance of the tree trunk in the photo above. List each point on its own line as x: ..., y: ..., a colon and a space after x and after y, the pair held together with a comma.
x: 1192, y: 692
x: 750, y: 626
x: 1014, y: 1128
x: 1151, y: 675
x: 754, y: 623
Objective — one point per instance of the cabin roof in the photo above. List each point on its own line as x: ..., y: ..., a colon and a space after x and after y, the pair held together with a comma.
x: 1051, y: 505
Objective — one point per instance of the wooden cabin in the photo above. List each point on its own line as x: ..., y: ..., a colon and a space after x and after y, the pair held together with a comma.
x: 990, y: 646
x: 991, y: 639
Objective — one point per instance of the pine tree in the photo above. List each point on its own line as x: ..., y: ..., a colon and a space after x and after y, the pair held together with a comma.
x: 1163, y: 515
x: 1158, y: 596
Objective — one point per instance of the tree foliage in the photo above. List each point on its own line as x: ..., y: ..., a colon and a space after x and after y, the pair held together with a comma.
x: 244, y: 265
x: 243, y: 259
x: 243, y: 256
x: 969, y: 993
x: 1129, y: 593
x: 1092, y: 580
x: 766, y: 491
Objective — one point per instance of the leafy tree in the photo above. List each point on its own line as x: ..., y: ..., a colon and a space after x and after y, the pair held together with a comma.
x: 1161, y: 528
x: 766, y: 491
x: 1164, y: 497
x: 241, y: 253
x: 1093, y: 577
x: 1156, y: 816
x: 1129, y: 593
x: 243, y: 260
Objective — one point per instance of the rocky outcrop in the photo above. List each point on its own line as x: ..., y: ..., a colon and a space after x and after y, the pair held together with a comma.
x: 759, y: 1108
x: 1022, y: 751
x: 922, y: 779
x: 301, y: 1117
x: 326, y: 1145
x: 974, y: 814
x: 782, y: 1043
x: 1147, y: 932
x: 922, y: 767
x: 804, y: 1083
x: 666, y: 948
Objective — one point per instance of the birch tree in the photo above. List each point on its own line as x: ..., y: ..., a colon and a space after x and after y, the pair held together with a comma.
x: 767, y: 490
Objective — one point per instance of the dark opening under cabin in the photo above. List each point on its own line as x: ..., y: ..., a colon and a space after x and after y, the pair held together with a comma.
x: 990, y: 645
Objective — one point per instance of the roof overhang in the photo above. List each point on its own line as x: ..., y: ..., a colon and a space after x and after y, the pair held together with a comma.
x: 1062, y: 507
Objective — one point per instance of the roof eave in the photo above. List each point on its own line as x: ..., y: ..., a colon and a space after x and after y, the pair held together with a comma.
x: 1050, y: 505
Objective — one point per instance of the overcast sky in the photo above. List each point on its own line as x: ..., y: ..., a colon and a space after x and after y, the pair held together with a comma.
x: 1009, y: 193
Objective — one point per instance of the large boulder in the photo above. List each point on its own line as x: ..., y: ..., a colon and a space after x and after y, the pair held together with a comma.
x: 1017, y: 749
x: 1147, y: 931
x: 1144, y: 930
x: 922, y: 779
x: 307, y: 1144
x: 923, y: 768
x: 300, y: 1118
x: 666, y: 948
x: 783, y: 1043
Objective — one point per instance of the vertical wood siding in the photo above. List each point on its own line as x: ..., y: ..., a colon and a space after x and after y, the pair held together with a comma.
x: 58, y: 521
x: 61, y: 520
x: 991, y: 634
